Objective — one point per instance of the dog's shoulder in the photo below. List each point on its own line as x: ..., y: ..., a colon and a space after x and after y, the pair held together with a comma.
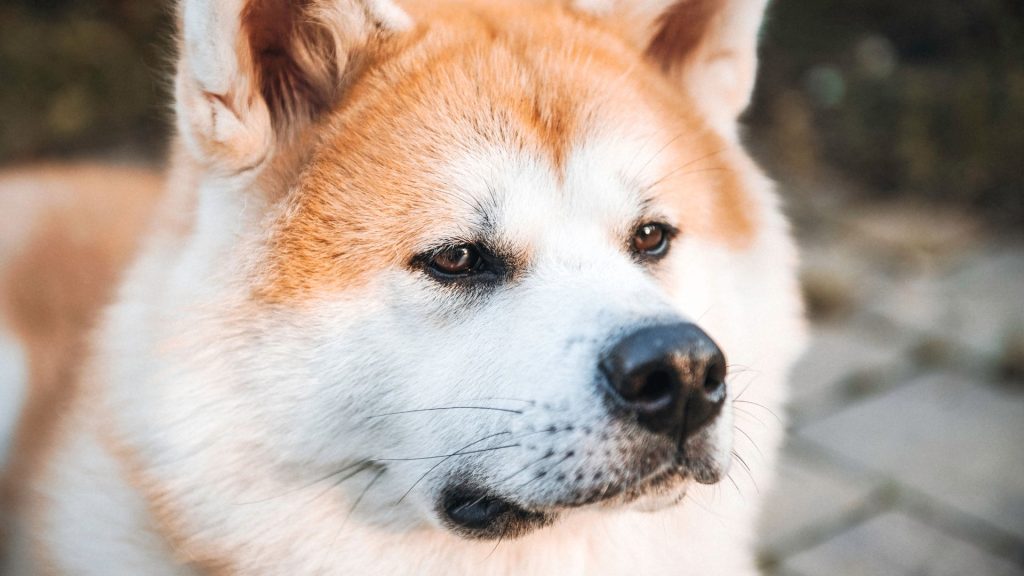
x: 69, y: 231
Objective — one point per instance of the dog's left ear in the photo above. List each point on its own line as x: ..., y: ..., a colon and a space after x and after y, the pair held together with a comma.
x: 710, y: 46
x: 252, y: 73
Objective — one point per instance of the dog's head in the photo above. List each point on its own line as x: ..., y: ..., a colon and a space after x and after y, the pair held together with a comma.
x: 487, y: 261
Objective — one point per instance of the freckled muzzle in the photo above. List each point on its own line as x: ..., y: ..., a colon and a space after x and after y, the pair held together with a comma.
x: 662, y: 387
x: 670, y: 379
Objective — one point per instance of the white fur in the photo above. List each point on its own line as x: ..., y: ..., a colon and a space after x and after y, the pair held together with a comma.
x: 244, y: 414
x: 98, y: 502
x: 215, y: 405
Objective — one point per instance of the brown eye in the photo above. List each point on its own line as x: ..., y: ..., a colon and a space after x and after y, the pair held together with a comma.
x: 456, y: 261
x: 651, y: 239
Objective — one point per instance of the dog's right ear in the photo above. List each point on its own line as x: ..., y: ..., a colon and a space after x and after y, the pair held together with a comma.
x: 708, y: 47
x: 252, y: 73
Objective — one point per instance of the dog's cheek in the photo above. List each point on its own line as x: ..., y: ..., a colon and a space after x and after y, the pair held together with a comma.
x: 313, y: 377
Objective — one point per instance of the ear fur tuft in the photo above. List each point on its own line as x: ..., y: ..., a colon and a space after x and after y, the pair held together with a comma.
x: 709, y: 46
x: 255, y: 71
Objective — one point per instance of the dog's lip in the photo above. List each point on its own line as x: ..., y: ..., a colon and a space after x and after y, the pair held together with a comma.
x: 670, y: 474
x: 475, y: 512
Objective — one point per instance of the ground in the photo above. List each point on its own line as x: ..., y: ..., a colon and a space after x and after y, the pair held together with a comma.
x: 907, y: 410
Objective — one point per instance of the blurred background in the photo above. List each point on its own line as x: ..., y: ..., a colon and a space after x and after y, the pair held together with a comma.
x: 896, y: 131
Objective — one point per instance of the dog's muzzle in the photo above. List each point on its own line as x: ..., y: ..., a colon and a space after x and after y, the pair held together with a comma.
x: 662, y: 387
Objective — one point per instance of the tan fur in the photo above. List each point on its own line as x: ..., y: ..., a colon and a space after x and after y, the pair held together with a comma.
x: 79, y: 227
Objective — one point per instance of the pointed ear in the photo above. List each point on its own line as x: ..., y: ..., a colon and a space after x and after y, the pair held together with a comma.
x: 254, y: 72
x: 708, y: 45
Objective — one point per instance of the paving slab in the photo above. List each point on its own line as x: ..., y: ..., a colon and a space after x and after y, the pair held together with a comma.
x: 842, y: 363
x: 955, y: 440
x: 975, y: 306
x: 894, y: 544
x: 809, y: 495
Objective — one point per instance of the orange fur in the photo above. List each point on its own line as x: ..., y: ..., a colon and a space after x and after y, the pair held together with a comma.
x: 167, y: 518
x: 465, y: 74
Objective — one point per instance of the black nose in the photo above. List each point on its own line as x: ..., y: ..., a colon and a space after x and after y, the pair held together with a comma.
x: 671, y: 377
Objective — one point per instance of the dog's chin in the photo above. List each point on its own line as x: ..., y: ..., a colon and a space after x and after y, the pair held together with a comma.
x: 660, y: 498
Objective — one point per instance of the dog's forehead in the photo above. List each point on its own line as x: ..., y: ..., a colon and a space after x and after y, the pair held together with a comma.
x: 556, y: 118
x: 524, y: 128
x: 532, y: 93
x: 525, y: 198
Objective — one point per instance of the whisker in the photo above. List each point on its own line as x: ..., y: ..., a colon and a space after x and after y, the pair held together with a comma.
x: 528, y: 482
x: 366, y: 489
x: 349, y: 515
x: 745, y: 388
x: 541, y: 459
x: 740, y: 460
x: 702, y: 315
x: 464, y: 452
x: 763, y: 407
x: 749, y: 471
x: 743, y: 412
x: 679, y: 170
x: 653, y: 157
x: 456, y: 453
x: 447, y: 455
x: 523, y: 469
x: 359, y: 465
x: 534, y: 463
x: 504, y: 399
x: 697, y: 502
x: 744, y: 370
x: 735, y: 485
x: 495, y: 549
x: 747, y: 468
x: 342, y: 480
x: 439, y: 408
x: 752, y: 443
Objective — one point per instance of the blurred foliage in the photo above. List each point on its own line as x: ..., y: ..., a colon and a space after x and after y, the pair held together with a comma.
x: 83, y: 75
x: 915, y: 98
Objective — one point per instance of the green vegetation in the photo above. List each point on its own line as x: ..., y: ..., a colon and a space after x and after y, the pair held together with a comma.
x: 79, y: 76
x: 921, y: 99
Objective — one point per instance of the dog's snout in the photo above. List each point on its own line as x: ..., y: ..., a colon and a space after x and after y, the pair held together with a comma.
x: 670, y: 377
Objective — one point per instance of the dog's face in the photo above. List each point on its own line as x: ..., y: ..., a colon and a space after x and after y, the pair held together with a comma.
x: 498, y: 275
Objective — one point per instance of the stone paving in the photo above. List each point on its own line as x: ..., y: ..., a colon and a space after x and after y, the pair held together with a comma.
x: 905, y: 453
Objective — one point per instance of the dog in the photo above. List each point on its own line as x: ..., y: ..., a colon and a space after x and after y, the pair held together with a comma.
x: 428, y: 287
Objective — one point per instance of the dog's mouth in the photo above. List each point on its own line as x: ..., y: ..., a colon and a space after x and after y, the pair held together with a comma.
x: 472, y: 511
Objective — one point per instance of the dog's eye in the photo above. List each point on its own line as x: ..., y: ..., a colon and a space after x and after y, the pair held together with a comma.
x: 456, y: 260
x: 651, y: 240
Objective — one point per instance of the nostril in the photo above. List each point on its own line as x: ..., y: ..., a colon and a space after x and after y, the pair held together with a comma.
x: 714, y: 380
x: 658, y: 387
x: 711, y: 384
